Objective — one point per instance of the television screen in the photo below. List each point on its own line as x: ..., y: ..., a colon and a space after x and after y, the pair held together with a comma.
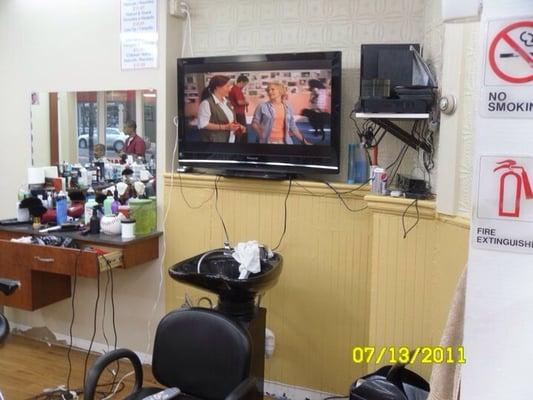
x: 275, y: 112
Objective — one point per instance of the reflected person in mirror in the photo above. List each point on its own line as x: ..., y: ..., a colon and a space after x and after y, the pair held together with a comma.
x: 216, y: 121
x: 99, y: 153
x: 135, y: 144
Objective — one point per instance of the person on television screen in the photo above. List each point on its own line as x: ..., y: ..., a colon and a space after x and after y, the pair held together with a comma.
x: 274, y: 121
x: 317, y: 98
x: 215, y: 116
x: 240, y: 105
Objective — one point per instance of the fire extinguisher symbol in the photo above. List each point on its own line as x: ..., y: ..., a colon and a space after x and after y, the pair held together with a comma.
x: 514, y: 178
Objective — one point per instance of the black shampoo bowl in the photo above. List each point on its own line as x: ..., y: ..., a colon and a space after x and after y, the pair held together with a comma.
x: 219, y: 274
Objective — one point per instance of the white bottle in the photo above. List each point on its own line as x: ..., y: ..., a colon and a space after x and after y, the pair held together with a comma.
x: 89, y: 204
x: 83, y: 182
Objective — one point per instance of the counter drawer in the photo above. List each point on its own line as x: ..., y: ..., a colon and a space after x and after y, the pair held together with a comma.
x: 45, y: 272
x: 57, y: 260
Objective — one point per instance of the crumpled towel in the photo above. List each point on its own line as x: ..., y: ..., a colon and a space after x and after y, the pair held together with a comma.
x: 23, y: 239
x: 247, y: 254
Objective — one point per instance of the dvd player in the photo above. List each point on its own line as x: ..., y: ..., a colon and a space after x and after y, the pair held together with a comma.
x: 405, y: 106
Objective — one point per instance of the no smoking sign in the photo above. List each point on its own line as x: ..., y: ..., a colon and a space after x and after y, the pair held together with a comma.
x: 508, y: 71
x: 511, y: 53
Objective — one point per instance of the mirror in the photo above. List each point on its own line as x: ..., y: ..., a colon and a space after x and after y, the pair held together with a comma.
x: 68, y: 126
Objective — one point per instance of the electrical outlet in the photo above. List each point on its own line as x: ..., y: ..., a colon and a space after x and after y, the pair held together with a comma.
x: 178, y: 8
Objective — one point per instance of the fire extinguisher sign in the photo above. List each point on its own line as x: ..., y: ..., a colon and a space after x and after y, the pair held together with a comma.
x: 508, y: 69
x: 503, y: 216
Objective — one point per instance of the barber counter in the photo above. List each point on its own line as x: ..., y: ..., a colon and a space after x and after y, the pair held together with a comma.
x: 45, y: 272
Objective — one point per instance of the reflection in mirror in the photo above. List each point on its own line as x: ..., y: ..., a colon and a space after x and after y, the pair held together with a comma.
x: 66, y: 126
x: 99, y: 140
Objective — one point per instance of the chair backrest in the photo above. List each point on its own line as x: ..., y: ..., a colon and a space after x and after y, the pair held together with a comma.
x: 202, y: 352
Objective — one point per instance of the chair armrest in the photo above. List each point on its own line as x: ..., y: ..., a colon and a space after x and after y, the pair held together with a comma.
x: 89, y: 388
x: 244, y: 390
x: 8, y: 286
x: 4, y: 328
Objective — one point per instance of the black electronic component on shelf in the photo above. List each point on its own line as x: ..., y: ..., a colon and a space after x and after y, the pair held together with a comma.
x: 394, y: 79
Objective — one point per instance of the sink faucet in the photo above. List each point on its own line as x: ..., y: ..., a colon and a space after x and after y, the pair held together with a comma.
x: 228, y: 251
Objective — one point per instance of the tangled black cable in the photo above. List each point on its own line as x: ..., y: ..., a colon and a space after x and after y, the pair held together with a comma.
x: 403, y: 151
x: 74, y: 285
x: 95, y: 322
x: 113, y: 319
x: 415, y: 203
x: 187, y: 201
x: 284, y: 216
x: 339, y: 195
x: 217, y: 210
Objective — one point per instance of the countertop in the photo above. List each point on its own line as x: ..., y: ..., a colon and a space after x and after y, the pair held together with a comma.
x: 112, y: 240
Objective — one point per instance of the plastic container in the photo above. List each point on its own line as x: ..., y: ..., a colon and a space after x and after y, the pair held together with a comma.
x: 89, y: 204
x: 143, y: 212
x: 107, y: 205
x: 61, y: 208
x: 128, y: 228
x: 23, y: 214
x: 357, y: 164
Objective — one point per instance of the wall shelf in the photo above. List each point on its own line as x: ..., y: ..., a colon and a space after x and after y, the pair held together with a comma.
x: 392, y: 116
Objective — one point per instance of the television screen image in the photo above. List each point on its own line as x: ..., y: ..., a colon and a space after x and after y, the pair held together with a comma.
x: 307, y: 107
x: 271, y: 112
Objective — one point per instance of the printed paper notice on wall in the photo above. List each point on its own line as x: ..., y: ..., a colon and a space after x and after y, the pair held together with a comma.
x: 503, y: 215
x: 508, y: 69
x: 138, y: 34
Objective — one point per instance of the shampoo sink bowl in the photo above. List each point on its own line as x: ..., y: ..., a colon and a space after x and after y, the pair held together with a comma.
x: 219, y: 274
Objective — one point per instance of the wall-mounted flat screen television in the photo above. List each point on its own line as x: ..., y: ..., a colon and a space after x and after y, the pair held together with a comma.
x: 275, y: 113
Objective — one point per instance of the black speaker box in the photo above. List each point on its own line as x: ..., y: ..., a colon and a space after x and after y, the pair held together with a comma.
x: 388, y: 61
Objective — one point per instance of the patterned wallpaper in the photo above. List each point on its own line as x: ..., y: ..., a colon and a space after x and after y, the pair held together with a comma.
x: 258, y: 26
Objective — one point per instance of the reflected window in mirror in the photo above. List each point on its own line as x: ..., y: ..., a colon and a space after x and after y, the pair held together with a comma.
x: 87, y: 123
x: 101, y: 118
x: 72, y: 125
x: 149, y: 112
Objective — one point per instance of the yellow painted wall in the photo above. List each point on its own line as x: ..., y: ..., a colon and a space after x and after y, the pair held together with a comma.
x: 412, y: 279
x: 349, y: 278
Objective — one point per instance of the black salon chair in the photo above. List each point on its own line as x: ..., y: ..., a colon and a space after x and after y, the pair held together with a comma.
x: 198, y: 350
x: 7, y: 287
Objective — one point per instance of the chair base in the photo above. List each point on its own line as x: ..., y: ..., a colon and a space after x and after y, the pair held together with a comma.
x: 256, y: 327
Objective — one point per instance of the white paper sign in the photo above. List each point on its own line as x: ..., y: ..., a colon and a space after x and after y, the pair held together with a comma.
x: 503, y: 215
x: 507, y: 89
x: 139, y: 35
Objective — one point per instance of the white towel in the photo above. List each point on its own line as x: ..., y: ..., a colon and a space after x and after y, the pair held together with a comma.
x: 247, y: 254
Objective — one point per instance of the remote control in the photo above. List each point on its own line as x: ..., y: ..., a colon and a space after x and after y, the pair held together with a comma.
x: 167, y: 394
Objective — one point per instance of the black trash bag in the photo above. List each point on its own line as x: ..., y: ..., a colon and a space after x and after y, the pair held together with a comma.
x: 393, y: 382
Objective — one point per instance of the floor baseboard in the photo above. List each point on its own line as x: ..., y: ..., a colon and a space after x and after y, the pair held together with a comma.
x: 280, y: 390
x: 64, y: 340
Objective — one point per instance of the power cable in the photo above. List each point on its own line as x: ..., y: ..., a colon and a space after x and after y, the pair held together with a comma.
x: 94, y: 324
x: 404, y: 148
x: 339, y: 195
x: 406, y: 232
x: 74, y: 285
x: 284, y: 216
x: 217, y: 210
x: 397, y: 167
x: 113, y: 319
